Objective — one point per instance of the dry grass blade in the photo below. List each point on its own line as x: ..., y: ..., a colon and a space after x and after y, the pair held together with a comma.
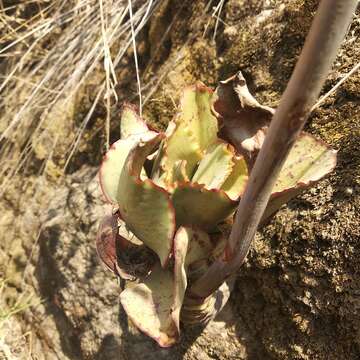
x: 54, y: 53
x: 109, y: 72
x: 135, y: 55
x: 336, y: 86
x: 217, y: 13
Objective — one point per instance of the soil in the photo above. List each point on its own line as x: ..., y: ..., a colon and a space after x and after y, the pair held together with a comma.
x: 298, y: 294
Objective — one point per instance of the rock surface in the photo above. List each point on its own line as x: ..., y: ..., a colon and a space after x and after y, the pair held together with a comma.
x: 297, y: 296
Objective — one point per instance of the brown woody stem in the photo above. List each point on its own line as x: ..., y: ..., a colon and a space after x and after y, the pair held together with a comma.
x: 322, y: 43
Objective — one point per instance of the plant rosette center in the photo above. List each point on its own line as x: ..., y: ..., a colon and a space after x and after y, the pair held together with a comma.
x: 174, y: 191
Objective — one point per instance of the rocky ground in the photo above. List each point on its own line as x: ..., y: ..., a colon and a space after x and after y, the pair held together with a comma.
x: 297, y: 296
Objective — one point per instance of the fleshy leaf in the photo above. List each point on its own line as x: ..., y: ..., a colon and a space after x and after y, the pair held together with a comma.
x: 200, y: 246
x: 131, y: 123
x: 236, y: 182
x: 154, y: 305
x: 177, y: 149
x: 243, y: 120
x: 113, y: 163
x: 191, y: 246
x: 195, y: 129
x: 179, y: 171
x: 197, y: 206
x: 106, y: 241
x: 127, y: 234
x: 145, y: 207
x: 181, y: 244
x: 216, y: 166
x: 308, y: 161
x: 148, y: 305
x: 196, y: 111
x: 199, y: 252
x: 121, y: 252
x: 156, y: 171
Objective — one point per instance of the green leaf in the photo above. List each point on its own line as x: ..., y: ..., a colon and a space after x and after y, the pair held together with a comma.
x: 216, y: 166
x: 200, y: 246
x: 180, y: 146
x: 191, y: 246
x: 131, y: 123
x: 114, y: 161
x: 181, y: 244
x: 156, y: 170
x: 200, y: 251
x: 179, y: 171
x: 193, y: 130
x: 197, y: 206
x: 308, y: 162
x: 236, y: 182
x: 154, y: 305
x: 145, y: 207
x: 148, y: 305
x: 196, y: 111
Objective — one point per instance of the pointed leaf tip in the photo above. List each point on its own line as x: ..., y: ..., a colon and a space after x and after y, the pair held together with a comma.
x: 192, y: 132
x: 131, y: 123
x: 113, y: 162
x: 215, y: 166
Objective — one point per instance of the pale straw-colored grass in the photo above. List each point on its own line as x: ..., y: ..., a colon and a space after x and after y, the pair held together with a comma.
x: 46, y: 59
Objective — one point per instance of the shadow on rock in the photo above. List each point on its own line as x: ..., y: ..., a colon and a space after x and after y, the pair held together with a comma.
x: 50, y: 280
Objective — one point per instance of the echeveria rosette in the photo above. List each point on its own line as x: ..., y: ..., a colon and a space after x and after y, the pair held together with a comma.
x: 191, y: 182
x: 194, y: 178
x: 172, y: 190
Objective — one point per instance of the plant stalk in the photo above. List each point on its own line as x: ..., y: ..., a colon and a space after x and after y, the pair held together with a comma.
x: 322, y: 43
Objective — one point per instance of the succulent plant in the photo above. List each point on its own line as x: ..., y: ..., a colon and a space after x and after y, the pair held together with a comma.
x: 173, y: 192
